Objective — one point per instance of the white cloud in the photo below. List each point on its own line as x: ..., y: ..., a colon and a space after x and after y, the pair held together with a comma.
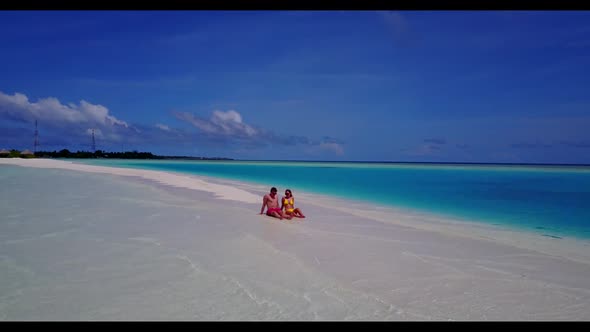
x: 98, y: 114
x: 334, y: 147
x: 97, y: 133
x: 228, y: 128
x: 72, y: 123
x: 163, y: 127
x: 221, y: 123
x: 52, y: 112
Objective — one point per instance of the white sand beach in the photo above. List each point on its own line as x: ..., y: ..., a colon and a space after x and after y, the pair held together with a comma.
x: 82, y: 242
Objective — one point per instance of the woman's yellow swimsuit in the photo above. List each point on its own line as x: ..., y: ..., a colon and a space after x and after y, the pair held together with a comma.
x: 289, y: 202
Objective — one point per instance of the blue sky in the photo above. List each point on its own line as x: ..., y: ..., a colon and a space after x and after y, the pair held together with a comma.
x: 448, y: 86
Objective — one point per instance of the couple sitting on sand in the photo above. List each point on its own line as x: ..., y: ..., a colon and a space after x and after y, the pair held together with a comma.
x: 271, y: 201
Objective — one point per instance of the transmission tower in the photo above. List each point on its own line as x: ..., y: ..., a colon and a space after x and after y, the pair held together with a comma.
x: 93, y: 142
x: 36, y: 144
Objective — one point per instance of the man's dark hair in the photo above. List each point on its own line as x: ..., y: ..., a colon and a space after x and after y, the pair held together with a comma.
x: 273, y: 189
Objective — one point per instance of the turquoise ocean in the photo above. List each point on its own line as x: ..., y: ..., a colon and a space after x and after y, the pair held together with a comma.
x: 550, y: 200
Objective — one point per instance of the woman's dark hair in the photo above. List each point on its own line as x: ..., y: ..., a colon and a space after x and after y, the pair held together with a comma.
x: 289, y: 190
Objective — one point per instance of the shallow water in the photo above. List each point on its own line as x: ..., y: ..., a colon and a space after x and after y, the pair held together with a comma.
x: 550, y: 200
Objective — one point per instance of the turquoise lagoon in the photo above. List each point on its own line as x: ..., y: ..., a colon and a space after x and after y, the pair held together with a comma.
x: 549, y: 200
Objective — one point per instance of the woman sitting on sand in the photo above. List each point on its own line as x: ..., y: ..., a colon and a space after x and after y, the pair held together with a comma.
x: 288, y: 203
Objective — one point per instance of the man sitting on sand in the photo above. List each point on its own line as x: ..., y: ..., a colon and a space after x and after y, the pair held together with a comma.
x: 271, y: 201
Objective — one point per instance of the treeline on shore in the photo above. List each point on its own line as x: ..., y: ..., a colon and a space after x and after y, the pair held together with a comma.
x: 16, y: 154
x: 65, y: 153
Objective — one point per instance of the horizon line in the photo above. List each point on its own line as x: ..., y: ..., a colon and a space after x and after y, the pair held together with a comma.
x: 349, y: 161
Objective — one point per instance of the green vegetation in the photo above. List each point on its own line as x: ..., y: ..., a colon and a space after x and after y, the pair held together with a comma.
x: 15, y: 154
x: 65, y: 153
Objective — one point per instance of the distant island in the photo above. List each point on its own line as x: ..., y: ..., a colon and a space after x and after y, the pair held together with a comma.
x: 65, y: 153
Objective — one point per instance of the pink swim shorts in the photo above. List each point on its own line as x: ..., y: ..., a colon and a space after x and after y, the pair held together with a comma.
x: 271, y: 210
